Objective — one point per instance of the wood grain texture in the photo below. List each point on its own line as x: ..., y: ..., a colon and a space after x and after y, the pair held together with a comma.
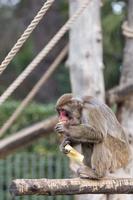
x: 53, y: 187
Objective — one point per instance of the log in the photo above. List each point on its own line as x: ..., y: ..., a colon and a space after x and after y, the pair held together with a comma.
x: 52, y: 187
x: 119, y: 93
x: 26, y: 136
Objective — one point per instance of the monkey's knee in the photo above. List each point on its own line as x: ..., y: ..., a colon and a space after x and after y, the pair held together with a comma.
x: 87, y: 172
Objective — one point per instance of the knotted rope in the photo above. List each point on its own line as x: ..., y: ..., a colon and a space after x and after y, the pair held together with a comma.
x: 43, y: 52
x: 25, y: 35
x: 34, y: 91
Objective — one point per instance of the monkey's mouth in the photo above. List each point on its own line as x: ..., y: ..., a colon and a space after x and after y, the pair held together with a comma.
x: 64, y: 115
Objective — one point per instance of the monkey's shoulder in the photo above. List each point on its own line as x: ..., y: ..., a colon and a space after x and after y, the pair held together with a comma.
x: 102, y: 118
x: 96, y: 107
x: 91, y: 100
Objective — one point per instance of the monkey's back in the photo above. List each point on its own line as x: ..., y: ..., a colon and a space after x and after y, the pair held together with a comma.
x: 120, y: 152
x: 114, y: 148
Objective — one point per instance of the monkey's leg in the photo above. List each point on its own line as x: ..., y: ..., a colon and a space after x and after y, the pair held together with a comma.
x: 87, y: 172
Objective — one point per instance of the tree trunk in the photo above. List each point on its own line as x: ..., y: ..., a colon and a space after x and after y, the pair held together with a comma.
x: 126, y: 110
x: 85, y: 58
x: 85, y: 53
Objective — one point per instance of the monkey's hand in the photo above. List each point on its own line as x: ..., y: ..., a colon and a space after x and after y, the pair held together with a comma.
x: 61, y: 128
x: 63, y: 144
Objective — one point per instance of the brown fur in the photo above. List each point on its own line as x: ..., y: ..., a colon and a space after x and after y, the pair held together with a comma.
x: 103, y: 139
x: 64, y: 99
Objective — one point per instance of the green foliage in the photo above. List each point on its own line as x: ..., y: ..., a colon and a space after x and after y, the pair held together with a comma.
x: 63, y: 80
x: 64, y: 8
x: 47, y: 145
x: 112, y: 43
x: 24, y: 57
x: 33, y: 113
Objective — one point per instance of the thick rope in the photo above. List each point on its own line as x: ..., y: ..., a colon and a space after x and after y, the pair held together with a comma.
x: 126, y: 30
x: 43, y: 53
x: 25, y: 35
x: 34, y: 91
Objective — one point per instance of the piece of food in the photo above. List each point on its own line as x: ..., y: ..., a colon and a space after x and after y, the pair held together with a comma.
x: 73, y: 154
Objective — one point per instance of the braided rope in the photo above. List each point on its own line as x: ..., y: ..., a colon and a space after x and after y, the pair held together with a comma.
x: 43, y: 53
x: 25, y: 35
x: 34, y: 91
x: 126, y: 30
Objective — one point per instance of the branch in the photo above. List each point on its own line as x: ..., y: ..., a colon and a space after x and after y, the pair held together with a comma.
x: 120, y: 93
x: 26, y: 136
x: 21, y: 187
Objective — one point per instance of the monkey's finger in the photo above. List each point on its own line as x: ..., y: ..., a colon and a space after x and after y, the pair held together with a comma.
x: 58, y: 130
x: 63, y: 145
x: 59, y: 124
x: 59, y: 127
x: 62, y: 149
x: 66, y: 142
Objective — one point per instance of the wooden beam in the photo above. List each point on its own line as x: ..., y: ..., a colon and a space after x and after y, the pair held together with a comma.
x: 119, y: 93
x: 26, y: 136
x: 52, y: 187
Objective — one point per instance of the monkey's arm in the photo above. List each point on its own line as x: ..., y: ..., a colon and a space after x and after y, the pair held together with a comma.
x: 84, y: 133
x: 80, y: 133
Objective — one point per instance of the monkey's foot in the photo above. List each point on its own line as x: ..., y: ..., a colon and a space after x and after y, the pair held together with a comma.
x: 86, y: 172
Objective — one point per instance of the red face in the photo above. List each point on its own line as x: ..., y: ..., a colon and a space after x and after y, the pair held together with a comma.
x: 63, y: 115
x: 68, y: 117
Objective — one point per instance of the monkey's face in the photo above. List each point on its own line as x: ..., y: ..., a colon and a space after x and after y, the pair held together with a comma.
x: 69, y: 114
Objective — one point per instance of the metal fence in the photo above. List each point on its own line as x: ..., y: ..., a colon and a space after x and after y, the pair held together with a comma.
x: 27, y: 165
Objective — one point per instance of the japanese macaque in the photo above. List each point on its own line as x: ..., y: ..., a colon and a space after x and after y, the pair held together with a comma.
x: 92, y: 124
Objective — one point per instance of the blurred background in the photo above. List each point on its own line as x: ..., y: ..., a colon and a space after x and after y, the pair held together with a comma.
x: 42, y: 158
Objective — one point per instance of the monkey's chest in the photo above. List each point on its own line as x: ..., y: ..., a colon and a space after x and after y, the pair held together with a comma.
x: 87, y: 150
